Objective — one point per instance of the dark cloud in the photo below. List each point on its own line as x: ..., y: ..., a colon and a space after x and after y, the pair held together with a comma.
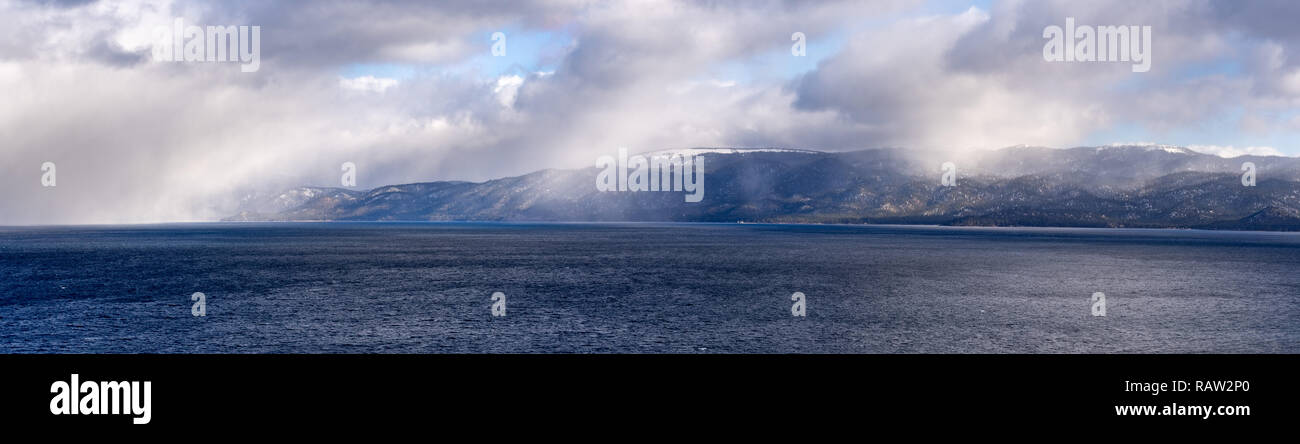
x: 110, y: 53
x: 965, y: 83
x: 328, y: 33
x: 59, y: 3
x: 1269, y: 19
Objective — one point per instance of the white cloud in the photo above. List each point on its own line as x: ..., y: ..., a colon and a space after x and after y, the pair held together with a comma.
x: 507, y: 89
x: 1232, y: 151
x: 367, y: 83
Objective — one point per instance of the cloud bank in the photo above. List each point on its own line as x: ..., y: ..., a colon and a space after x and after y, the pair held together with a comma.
x: 410, y: 91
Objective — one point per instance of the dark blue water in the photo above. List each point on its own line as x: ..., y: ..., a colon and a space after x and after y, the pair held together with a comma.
x: 658, y: 288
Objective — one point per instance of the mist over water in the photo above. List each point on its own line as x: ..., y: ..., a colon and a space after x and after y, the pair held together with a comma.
x: 655, y: 288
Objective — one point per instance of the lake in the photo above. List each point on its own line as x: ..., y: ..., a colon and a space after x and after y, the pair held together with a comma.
x: 644, y: 288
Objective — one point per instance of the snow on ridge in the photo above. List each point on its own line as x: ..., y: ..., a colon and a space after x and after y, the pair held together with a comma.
x: 687, y: 152
x: 1149, y: 147
x: 1232, y: 151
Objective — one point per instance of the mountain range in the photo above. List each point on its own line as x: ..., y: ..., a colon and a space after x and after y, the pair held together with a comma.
x: 1147, y: 186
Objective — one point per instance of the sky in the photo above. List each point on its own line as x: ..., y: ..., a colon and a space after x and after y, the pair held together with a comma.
x: 411, y: 91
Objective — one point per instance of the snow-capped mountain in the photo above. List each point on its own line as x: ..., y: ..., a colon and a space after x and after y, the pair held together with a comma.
x: 699, y: 151
x: 1123, y: 185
